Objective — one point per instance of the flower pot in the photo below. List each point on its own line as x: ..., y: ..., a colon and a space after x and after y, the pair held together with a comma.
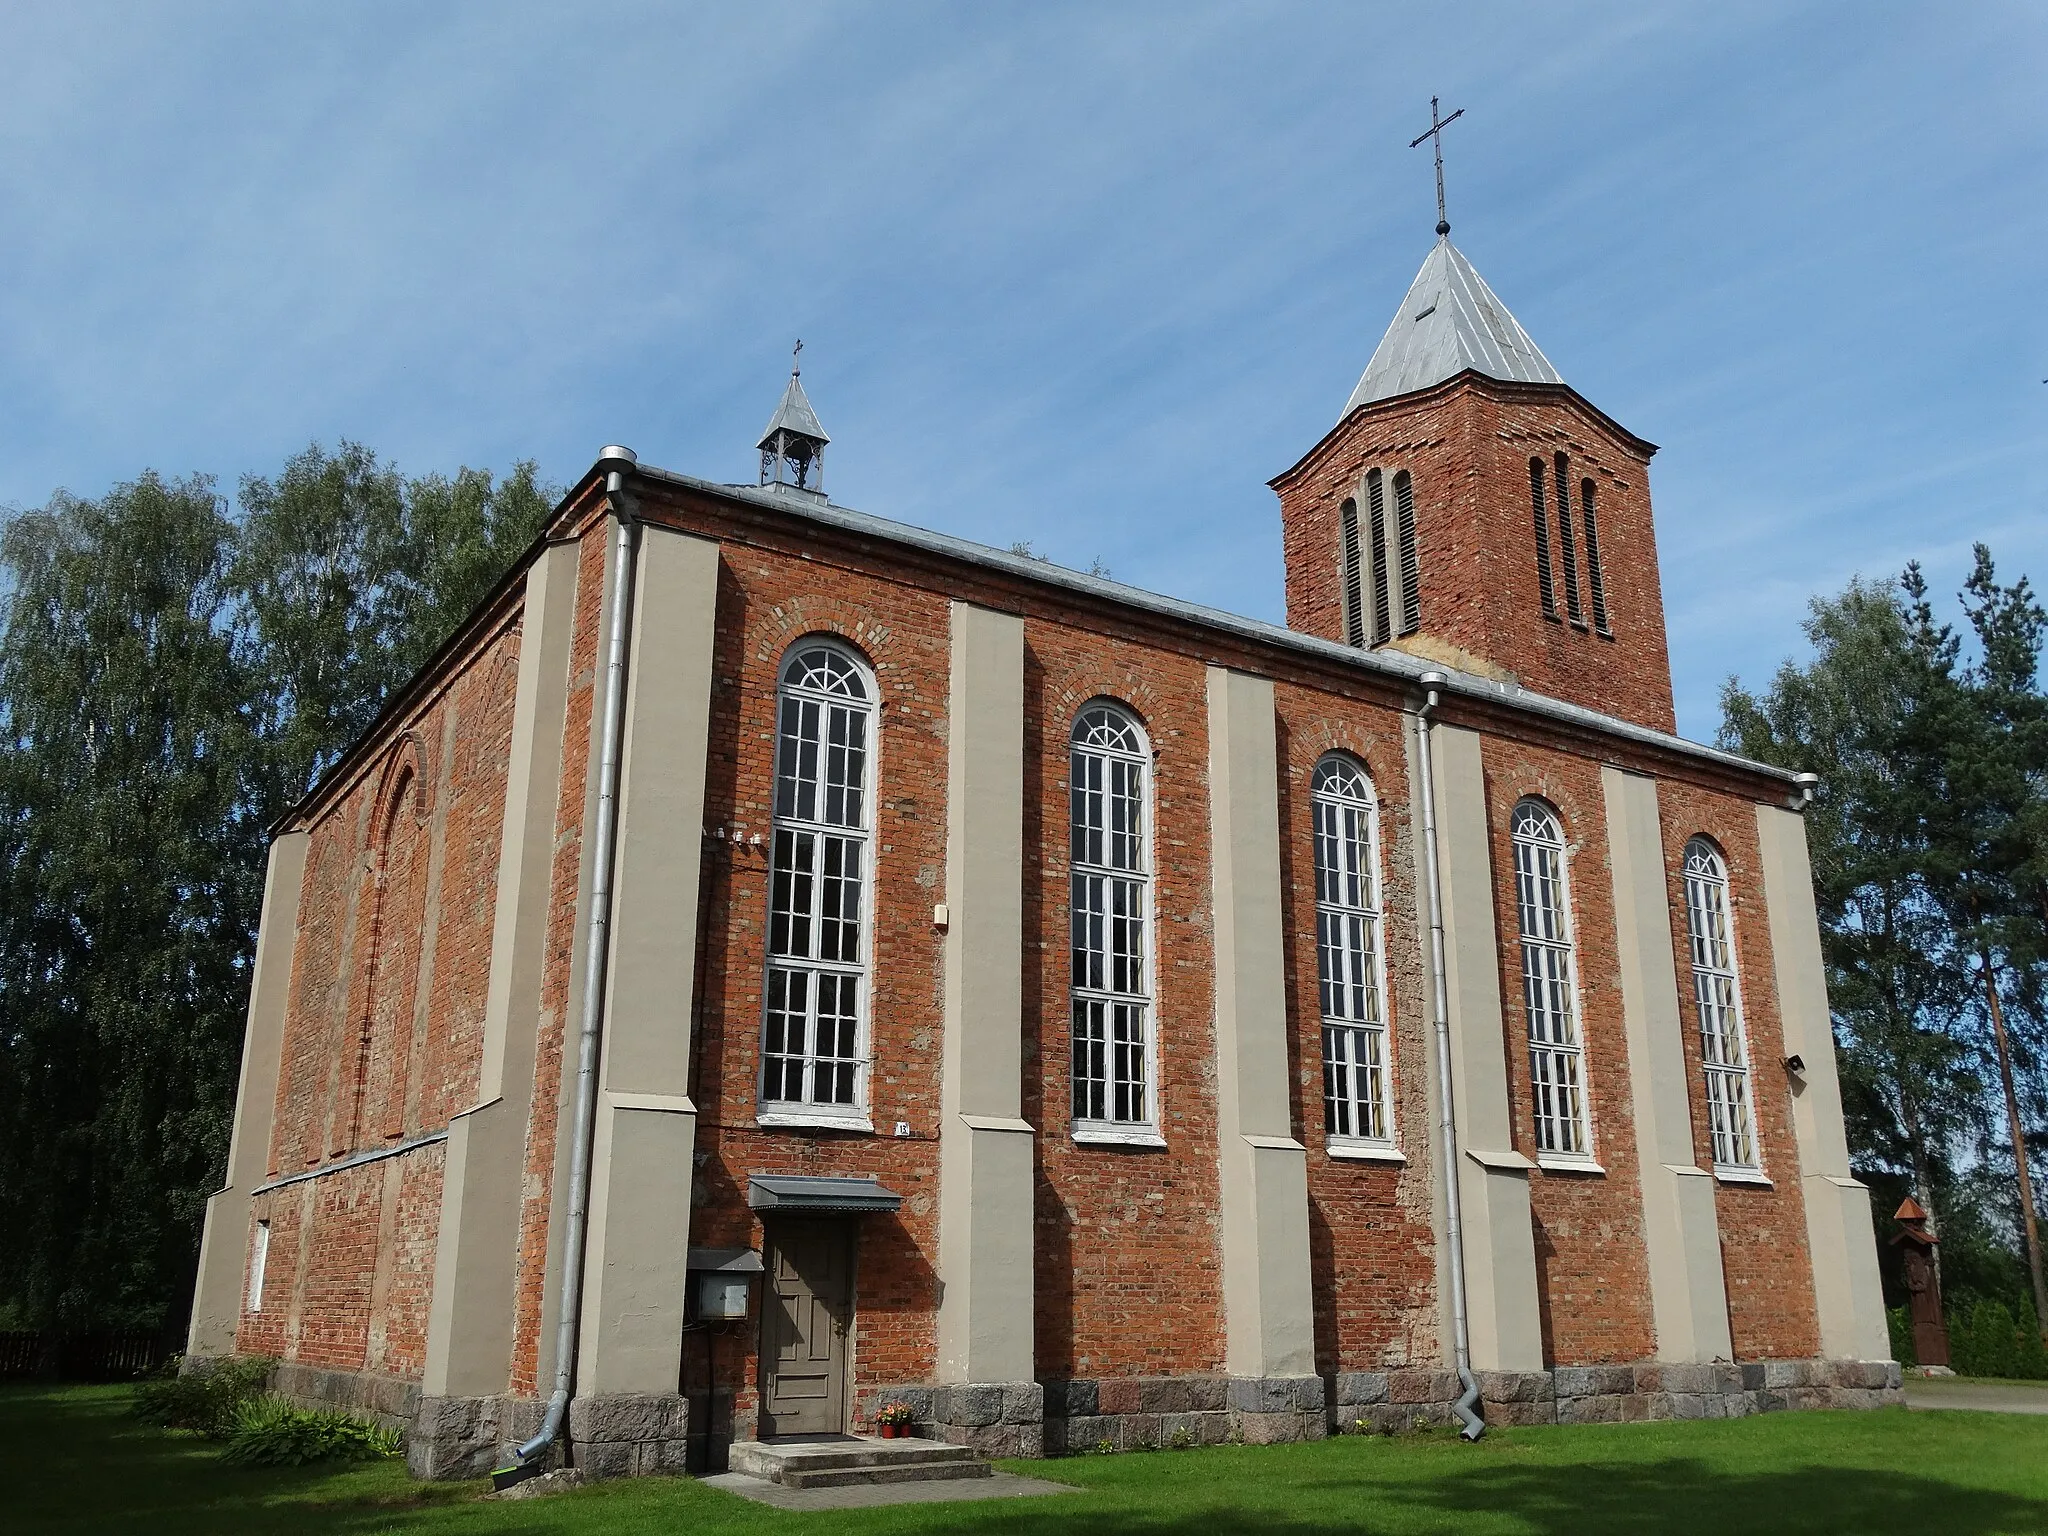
x: 891, y: 1431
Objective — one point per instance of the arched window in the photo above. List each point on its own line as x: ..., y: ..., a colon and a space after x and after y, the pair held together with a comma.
x: 1357, y: 1088
x: 1717, y: 999
x: 1546, y: 587
x: 1405, y: 559
x: 1354, y: 588
x: 1112, y: 906
x: 813, y: 1047
x: 1550, y: 983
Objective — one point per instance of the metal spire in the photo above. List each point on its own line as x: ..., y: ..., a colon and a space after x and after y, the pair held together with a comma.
x: 1436, y: 132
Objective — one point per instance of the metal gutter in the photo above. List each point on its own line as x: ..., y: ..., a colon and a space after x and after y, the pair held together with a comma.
x: 526, y: 1459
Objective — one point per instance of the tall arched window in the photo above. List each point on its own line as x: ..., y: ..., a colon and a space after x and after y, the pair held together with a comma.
x: 813, y: 1048
x: 1357, y: 1088
x: 1112, y: 905
x: 1550, y: 983
x: 1717, y: 1000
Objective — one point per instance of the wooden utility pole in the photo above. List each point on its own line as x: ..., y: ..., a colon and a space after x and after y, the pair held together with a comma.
x: 2019, y: 1140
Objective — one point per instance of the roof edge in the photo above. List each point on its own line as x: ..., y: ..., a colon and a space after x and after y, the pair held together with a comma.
x: 1465, y: 376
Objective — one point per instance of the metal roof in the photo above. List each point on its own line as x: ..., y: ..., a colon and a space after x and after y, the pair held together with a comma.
x: 793, y: 415
x: 840, y: 1194
x: 1385, y: 660
x: 1450, y: 321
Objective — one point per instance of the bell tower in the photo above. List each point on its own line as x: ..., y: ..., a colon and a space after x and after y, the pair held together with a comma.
x: 793, y: 446
x: 1471, y: 507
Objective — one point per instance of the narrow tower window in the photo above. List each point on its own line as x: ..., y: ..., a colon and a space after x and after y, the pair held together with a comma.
x: 813, y: 1035
x: 1545, y: 586
x: 1717, y: 998
x: 1549, y: 982
x: 1565, y: 545
x: 1376, y: 541
x: 1411, y: 570
x: 1357, y: 1091
x: 1596, y: 581
x: 1354, y: 603
x: 1112, y: 899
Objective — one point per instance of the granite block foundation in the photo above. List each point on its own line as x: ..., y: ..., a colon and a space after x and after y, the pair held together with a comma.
x: 1387, y: 1402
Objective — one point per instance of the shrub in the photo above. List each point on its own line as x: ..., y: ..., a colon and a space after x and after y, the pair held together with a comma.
x: 1989, y: 1341
x: 273, y: 1432
x: 1900, y: 1326
x: 206, y: 1399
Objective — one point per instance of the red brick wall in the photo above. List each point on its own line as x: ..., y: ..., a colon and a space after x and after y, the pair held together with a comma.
x: 1468, y: 444
x: 1371, y: 1244
x: 1764, y: 1255
x: 1592, y: 1272
x: 1129, y: 1268
x: 383, y: 1021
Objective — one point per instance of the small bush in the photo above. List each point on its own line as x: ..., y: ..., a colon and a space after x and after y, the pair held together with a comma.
x: 207, y: 1399
x: 1900, y: 1326
x: 272, y: 1432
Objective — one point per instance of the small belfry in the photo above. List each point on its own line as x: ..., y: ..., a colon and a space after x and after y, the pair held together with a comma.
x: 793, y: 446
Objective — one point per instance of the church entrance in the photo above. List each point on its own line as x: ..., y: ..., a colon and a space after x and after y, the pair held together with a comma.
x: 805, y: 1324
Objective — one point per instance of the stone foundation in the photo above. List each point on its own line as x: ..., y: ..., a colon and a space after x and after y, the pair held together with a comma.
x: 1143, y: 1413
x: 629, y: 1434
x: 1389, y: 1401
x: 464, y: 1437
x: 995, y: 1418
x: 390, y: 1400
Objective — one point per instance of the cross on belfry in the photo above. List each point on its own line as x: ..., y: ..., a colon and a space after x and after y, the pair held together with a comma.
x: 796, y: 357
x: 1436, y: 132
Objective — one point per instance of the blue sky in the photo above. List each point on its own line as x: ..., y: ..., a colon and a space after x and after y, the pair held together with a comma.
x: 1085, y: 275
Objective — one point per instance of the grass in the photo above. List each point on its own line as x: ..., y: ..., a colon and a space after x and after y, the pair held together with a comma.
x: 75, y: 1461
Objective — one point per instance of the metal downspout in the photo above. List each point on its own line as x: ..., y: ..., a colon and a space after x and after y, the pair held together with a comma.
x: 526, y: 1460
x: 1454, y: 1223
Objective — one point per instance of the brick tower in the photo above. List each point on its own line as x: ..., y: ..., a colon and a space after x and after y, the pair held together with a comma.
x: 1472, y: 507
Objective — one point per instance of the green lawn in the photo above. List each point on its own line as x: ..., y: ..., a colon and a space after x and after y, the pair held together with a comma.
x: 74, y: 1461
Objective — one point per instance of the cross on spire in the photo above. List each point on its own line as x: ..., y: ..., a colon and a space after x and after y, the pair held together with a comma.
x: 1436, y: 131
x: 796, y: 357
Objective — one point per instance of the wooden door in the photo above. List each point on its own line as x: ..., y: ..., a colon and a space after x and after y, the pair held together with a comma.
x: 805, y: 1326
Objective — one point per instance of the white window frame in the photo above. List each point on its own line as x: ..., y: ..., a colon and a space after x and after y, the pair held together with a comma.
x: 1737, y: 1150
x: 259, y: 1265
x: 1356, y: 1037
x: 1550, y: 989
x: 1137, y: 878
x: 810, y: 1111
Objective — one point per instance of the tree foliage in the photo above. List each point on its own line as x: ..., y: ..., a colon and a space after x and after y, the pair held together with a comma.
x: 172, y: 677
x: 1927, y: 835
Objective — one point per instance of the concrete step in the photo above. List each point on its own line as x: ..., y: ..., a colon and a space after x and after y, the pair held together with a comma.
x: 948, y: 1471
x: 843, y: 1460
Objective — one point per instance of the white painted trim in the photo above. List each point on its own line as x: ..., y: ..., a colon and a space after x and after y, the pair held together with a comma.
x: 1551, y: 1163
x: 1742, y: 1176
x: 795, y: 1120
x: 1098, y: 1135
x: 1350, y: 1150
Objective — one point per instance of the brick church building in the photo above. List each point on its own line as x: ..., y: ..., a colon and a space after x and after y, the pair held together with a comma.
x: 774, y: 961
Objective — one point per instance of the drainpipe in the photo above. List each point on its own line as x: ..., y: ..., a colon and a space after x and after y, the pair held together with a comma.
x: 1454, y: 1224
x: 526, y: 1460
